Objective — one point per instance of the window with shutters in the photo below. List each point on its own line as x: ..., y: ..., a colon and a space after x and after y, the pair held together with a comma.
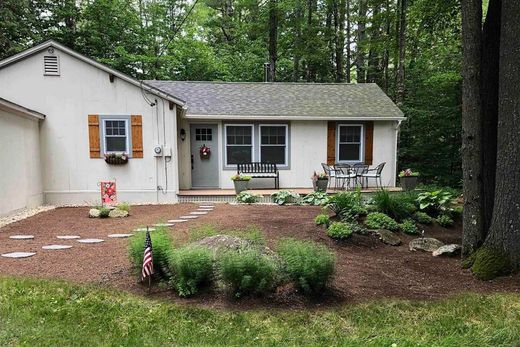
x: 115, y: 133
x: 349, y: 141
x: 51, y: 65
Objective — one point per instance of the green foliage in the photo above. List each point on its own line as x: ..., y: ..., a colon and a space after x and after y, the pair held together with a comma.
x: 457, y: 211
x: 347, y: 205
x: 240, y: 178
x: 378, y: 220
x: 358, y: 229
x: 191, y: 267
x: 445, y: 221
x: 310, y: 265
x: 252, y: 233
x: 397, y: 206
x: 488, y: 263
x: 408, y: 226
x: 247, y: 271
x: 104, y: 212
x: 422, y: 217
x: 283, y: 197
x: 436, y: 201
x: 162, y: 247
x: 124, y: 206
x: 246, y: 197
x: 322, y: 219
x: 316, y: 199
x: 202, y: 231
x: 339, y: 231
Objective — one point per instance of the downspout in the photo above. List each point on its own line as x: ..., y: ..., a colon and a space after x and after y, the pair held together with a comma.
x: 397, y: 128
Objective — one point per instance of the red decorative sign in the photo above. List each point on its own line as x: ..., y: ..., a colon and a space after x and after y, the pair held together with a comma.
x: 108, y: 193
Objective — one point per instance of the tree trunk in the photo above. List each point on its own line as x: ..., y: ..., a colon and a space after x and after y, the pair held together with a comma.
x: 402, y: 53
x: 386, y: 53
x: 297, y: 41
x: 311, y: 32
x: 489, y: 97
x: 360, y: 54
x: 339, y: 24
x: 504, y: 233
x: 373, y: 73
x: 273, y: 39
x: 349, y: 52
x: 473, y: 232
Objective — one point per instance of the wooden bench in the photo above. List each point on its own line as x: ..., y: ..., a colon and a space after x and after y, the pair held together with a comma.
x: 260, y: 170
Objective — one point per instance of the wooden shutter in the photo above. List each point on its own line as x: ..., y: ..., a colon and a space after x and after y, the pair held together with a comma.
x: 137, y: 136
x: 331, y: 143
x: 369, y: 142
x: 93, y: 136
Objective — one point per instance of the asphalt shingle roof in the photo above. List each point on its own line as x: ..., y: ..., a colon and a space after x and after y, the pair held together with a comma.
x: 313, y: 100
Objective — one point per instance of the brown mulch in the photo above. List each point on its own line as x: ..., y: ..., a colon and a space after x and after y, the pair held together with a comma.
x: 366, y: 269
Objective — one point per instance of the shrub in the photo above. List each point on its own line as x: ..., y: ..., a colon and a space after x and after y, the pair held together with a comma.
x: 422, y: 217
x: 201, y: 231
x: 309, y: 264
x: 283, y: 197
x: 445, y: 221
x: 191, y: 267
x: 488, y: 263
x: 339, y: 231
x: 252, y: 233
x: 322, y: 219
x: 316, y: 198
x: 408, y: 226
x: 248, y: 198
x: 378, y: 220
x: 457, y: 211
x: 397, y: 206
x: 124, y: 206
x: 247, y: 271
x: 435, y: 201
x: 358, y: 229
x: 346, y: 205
x: 104, y: 212
x: 161, y: 246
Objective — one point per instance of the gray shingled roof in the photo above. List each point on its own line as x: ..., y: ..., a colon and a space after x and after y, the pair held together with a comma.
x: 282, y: 100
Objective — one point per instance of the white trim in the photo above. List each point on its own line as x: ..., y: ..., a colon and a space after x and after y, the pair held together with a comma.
x: 226, y: 144
x: 286, y: 117
x: 120, y: 75
x: 286, y: 156
x: 361, y: 143
x: 19, y: 110
x: 104, y: 134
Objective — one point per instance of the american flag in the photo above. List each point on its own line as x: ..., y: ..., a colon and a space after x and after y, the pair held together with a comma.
x: 148, y: 257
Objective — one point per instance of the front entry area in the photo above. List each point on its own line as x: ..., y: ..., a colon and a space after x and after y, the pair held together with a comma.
x: 204, y: 168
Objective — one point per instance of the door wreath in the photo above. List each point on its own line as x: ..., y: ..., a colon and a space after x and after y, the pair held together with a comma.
x: 204, y: 152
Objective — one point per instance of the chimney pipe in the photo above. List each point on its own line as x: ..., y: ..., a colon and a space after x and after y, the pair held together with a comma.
x: 267, y: 74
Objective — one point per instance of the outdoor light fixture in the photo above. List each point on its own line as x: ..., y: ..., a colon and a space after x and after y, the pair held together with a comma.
x: 183, y: 134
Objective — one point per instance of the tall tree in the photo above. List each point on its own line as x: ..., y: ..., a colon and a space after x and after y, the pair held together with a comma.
x: 348, y: 56
x: 401, y: 44
x: 273, y: 39
x: 361, y: 42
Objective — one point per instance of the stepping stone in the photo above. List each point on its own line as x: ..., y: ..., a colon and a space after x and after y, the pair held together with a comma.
x: 163, y: 225
x: 206, y: 206
x: 90, y: 240
x: 56, y: 247
x: 144, y: 229
x: 177, y: 220
x: 120, y: 236
x: 188, y: 217
x: 205, y: 209
x: 198, y: 212
x: 18, y: 254
x: 21, y: 237
x: 68, y: 237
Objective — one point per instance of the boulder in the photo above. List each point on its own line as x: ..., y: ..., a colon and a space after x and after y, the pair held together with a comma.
x: 93, y: 213
x: 448, y: 250
x: 388, y: 237
x: 427, y: 244
x: 117, y: 213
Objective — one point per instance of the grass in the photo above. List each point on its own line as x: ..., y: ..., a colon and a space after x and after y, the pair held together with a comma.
x: 55, y: 313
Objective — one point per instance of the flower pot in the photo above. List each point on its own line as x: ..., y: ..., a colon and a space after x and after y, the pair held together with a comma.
x: 409, y: 182
x: 240, y: 186
x: 321, y: 185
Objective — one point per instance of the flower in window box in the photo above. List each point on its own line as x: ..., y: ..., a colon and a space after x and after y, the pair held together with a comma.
x: 116, y: 158
x: 204, y: 152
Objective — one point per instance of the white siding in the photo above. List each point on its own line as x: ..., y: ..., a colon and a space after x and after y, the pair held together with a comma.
x: 69, y: 174
x: 20, y: 170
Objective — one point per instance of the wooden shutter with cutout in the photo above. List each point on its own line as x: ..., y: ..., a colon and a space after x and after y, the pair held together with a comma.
x: 137, y: 136
x: 369, y: 142
x: 93, y: 136
x: 331, y: 143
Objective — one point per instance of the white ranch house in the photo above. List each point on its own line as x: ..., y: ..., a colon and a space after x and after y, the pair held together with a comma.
x: 60, y: 112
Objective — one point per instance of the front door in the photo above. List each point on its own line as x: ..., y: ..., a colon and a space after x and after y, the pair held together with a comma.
x: 204, y: 168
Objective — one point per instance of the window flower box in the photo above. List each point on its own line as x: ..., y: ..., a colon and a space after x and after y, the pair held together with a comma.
x: 116, y: 158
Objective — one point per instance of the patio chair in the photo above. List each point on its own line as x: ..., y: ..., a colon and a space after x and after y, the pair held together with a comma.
x: 359, y: 169
x: 375, y: 174
x: 330, y: 171
x: 344, y: 174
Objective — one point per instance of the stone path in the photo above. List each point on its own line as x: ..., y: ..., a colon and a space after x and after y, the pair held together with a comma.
x: 201, y: 210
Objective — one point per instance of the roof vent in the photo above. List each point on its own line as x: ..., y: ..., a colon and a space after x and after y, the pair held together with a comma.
x: 51, y: 65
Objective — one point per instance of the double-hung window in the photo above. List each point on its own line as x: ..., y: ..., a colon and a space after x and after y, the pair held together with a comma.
x: 115, y: 136
x: 350, y: 143
x: 273, y: 144
x: 239, y: 144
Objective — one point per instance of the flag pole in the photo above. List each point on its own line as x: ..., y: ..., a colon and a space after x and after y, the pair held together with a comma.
x: 150, y: 276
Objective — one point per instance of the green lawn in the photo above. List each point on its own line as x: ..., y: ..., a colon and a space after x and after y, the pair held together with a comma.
x: 53, y: 313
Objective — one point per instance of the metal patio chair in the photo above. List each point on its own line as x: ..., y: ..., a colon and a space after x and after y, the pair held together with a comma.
x: 330, y: 171
x: 375, y: 174
x: 359, y: 169
x: 344, y: 174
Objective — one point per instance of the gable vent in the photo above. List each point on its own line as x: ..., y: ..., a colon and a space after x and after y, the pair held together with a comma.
x: 51, y: 65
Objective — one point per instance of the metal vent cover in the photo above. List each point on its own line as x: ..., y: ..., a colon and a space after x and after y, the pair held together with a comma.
x: 51, y: 65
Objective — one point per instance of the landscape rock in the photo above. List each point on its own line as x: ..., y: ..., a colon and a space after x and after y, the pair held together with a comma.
x: 427, y: 244
x: 388, y: 237
x: 448, y: 250
x: 93, y: 213
x: 117, y: 213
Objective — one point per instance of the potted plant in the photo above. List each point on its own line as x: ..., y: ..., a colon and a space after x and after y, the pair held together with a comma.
x: 320, y: 181
x: 408, y: 179
x: 116, y: 158
x: 240, y: 182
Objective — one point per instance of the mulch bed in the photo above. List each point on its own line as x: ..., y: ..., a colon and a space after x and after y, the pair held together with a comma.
x: 366, y: 269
